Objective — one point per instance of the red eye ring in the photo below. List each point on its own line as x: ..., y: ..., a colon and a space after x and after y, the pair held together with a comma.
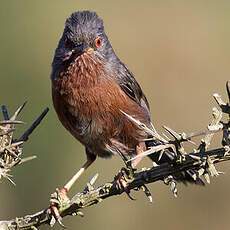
x: 98, y: 42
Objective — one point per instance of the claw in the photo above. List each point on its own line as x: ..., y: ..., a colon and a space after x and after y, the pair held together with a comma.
x: 56, y: 217
x: 53, y: 220
x: 172, y: 183
x: 58, y: 201
x: 147, y: 193
x: 125, y: 160
x: 60, y: 223
x: 123, y: 178
x: 129, y: 196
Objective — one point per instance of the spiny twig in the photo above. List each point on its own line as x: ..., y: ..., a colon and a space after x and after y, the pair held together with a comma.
x: 92, y: 196
x: 11, y: 149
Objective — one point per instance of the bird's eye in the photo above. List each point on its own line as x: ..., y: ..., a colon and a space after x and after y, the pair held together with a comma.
x: 98, y: 42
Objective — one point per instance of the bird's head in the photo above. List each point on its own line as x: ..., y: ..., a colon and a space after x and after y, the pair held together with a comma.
x: 83, y: 35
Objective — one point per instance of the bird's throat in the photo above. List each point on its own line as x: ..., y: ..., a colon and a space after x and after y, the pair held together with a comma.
x: 83, y: 72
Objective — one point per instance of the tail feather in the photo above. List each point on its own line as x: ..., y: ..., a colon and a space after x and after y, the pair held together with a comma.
x: 186, y: 177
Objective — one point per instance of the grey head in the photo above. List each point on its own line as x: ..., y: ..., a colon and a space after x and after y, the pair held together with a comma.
x: 83, y: 32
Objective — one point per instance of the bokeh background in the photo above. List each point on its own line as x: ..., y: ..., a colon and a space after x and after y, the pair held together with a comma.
x: 179, y: 52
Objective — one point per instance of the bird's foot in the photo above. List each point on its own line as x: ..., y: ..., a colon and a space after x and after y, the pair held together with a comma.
x: 123, y: 178
x: 169, y: 180
x: 59, y: 201
x: 146, y: 191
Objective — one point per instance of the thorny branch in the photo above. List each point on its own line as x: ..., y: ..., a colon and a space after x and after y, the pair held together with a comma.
x: 199, y: 165
x: 10, y: 148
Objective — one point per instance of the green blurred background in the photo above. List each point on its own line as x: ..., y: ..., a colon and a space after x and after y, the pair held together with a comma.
x: 178, y: 50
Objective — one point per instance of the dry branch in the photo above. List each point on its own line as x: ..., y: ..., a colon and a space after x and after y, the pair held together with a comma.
x: 199, y: 165
x: 10, y: 148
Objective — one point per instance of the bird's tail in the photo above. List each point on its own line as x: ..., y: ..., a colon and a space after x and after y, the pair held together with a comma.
x: 161, y: 151
x: 167, y: 155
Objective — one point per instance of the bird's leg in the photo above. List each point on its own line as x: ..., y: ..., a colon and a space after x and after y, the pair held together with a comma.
x: 59, y: 199
x: 126, y: 174
x: 123, y: 178
x: 72, y: 181
x: 141, y: 147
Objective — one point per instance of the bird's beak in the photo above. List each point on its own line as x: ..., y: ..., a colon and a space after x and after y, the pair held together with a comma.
x: 89, y: 50
x: 78, y: 51
x: 83, y: 48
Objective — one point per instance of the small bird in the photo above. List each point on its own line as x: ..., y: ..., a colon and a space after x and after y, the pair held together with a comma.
x: 93, y: 91
x: 98, y: 100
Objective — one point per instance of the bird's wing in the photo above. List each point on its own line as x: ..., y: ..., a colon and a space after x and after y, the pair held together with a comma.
x: 131, y: 87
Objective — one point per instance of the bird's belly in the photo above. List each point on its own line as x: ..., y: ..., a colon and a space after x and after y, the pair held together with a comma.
x: 97, y: 116
x: 93, y: 114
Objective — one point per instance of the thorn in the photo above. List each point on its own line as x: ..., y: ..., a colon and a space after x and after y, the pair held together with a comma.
x: 124, y: 158
x: 5, y: 113
x: 207, y: 178
x: 15, y: 144
x: 154, y: 164
x: 152, y: 150
x: 215, y: 128
x: 34, y: 228
x: 79, y: 213
x: 173, y: 188
x: 26, y: 159
x: 228, y: 89
x: 172, y: 133
x: 192, y: 174
x: 217, y: 116
x: 138, y: 123
x: 147, y: 193
x: 194, y: 157
x: 89, y: 186
x: 169, y: 180
x: 151, y: 131
x: 93, y: 180
x: 192, y: 142
x: 9, y: 179
x: 219, y: 100
x: 26, y: 134
x: 201, y: 171
x: 18, y: 111
x: 166, y: 137
x: 160, y: 155
x: 6, y: 122
x: 211, y: 167
x: 11, y: 152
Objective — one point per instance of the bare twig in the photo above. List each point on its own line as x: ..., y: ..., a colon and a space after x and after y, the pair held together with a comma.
x: 11, y: 149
